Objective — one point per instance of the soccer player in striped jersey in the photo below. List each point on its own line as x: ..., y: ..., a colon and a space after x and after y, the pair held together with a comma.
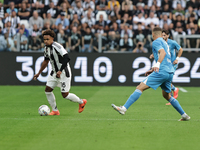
x: 161, y: 75
x: 60, y: 74
x: 173, y: 46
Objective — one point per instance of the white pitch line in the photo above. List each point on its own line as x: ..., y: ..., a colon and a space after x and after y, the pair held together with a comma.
x: 183, y: 90
x: 92, y: 119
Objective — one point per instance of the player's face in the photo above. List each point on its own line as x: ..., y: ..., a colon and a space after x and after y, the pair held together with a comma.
x: 165, y: 36
x: 48, y: 40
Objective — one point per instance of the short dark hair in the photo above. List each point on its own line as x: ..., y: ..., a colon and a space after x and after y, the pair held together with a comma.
x: 156, y: 29
x: 165, y: 31
x: 49, y: 32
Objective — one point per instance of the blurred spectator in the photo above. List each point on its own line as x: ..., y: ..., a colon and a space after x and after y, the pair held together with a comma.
x: 168, y: 2
x: 67, y: 2
x: 126, y: 43
x: 139, y: 36
x: 10, y: 43
x: 112, y: 45
x: 35, y: 19
x: 190, y: 12
x: 140, y: 48
x: 102, y: 22
x: 61, y: 36
x: 74, y: 3
x: 64, y: 21
x: 65, y: 10
x: 138, y: 19
x: 129, y: 3
x: 46, y: 26
x: 139, y: 9
x: 24, y: 13
x: 88, y: 4
x: 142, y: 3
x: 115, y: 29
x: 177, y: 2
x: 49, y: 19
x: 192, y: 3
x: 3, y: 43
x: 193, y: 20
x: 23, y: 40
x: 11, y: 8
x: 178, y: 11
x: 113, y: 3
x: 100, y: 30
x: 115, y: 13
x: 75, y: 22
x: 26, y: 32
x: 149, y: 37
x: 78, y: 10
x: 9, y: 29
x: 182, y: 40
x: 37, y: 6
x: 14, y: 19
x: 157, y: 3
x: 102, y: 5
x: 35, y: 31
x: 127, y: 31
x: 74, y: 41
x: 167, y: 28
x: 152, y: 19
x: 166, y: 11
x: 181, y: 22
x: 192, y: 42
x: 125, y: 20
x: 89, y: 20
x: 164, y: 20
x: 153, y: 9
x: 87, y: 40
x: 34, y: 43
x: 52, y: 10
x: 191, y: 26
x: 126, y: 11
x: 1, y: 11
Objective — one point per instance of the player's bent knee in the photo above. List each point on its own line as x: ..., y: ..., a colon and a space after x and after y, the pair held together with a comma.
x: 48, y: 89
x: 65, y: 94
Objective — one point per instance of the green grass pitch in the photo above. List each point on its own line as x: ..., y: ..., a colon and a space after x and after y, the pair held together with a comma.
x: 148, y: 124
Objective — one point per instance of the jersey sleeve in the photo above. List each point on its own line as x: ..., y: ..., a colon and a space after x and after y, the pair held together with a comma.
x: 157, y: 45
x: 177, y: 46
x: 59, y: 48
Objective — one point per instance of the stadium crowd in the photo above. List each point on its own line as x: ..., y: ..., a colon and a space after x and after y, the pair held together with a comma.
x: 124, y: 25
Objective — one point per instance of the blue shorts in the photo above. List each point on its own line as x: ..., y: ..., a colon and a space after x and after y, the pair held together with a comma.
x: 162, y: 79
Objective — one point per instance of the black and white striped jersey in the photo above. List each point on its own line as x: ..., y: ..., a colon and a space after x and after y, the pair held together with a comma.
x: 55, y: 54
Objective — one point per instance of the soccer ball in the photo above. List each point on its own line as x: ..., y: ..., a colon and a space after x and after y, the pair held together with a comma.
x: 44, y: 110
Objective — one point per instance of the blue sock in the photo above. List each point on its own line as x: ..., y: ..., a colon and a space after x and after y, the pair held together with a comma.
x: 176, y: 105
x: 136, y: 94
x: 173, y: 87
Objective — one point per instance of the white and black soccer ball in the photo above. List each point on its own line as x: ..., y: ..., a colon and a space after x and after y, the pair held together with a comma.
x: 44, y: 110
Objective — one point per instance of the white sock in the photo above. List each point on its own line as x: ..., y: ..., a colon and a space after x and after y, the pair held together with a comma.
x: 52, y: 100
x: 72, y: 97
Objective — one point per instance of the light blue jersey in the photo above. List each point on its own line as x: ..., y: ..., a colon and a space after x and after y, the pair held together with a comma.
x: 173, y: 46
x: 166, y: 64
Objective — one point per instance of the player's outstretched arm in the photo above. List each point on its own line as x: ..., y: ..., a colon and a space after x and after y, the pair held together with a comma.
x: 179, y: 55
x: 44, y: 65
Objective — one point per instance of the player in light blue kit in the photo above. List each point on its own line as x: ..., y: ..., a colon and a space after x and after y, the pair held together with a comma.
x: 161, y: 75
x: 173, y: 46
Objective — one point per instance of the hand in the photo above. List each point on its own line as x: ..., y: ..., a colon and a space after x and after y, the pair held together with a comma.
x: 36, y: 76
x: 151, y: 56
x: 156, y: 69
x: 148, y: 72
x: 175, y: 61
x: 58, y: 74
